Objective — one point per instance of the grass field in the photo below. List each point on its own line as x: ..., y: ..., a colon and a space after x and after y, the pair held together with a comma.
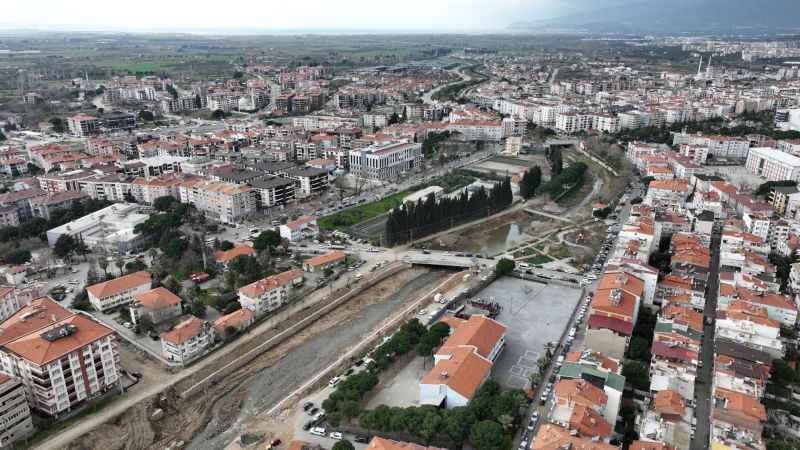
x: 343, y: 220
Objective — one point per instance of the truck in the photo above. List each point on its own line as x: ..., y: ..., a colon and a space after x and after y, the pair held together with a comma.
x: 200, y: 277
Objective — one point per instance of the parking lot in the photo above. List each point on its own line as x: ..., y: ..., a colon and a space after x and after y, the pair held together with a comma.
x: 535, y: 314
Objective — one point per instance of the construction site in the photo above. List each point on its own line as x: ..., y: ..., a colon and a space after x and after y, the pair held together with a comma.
x: 213, y: 403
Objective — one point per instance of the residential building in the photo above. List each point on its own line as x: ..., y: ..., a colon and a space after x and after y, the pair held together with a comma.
x: 62, y: 358
x: 236, y: 321
x: 613, y: 313
x: 224, y: 257
x: 304, y: 226
x: 119, y: 291
x: 270, y: 293
x: 83, y: 125
x: 325, y: 261
x: 157, y: 305
x: 15, y: 414
x: 187, y: 341
x: 274, y: 191
x: 554, y: 437
x: 379, y: 443
x: 224, y: 202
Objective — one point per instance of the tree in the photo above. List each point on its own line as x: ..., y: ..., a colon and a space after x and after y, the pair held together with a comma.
x: 218, y: 114
x: 344, y: 444
x: 65, y: 246
x: 457, y: 423
x: 172, y: 91
x: 268, y: 239
x: 146, y: 116
x: 2, y: 136
x: 135, y: 266
x: 59, y: 126
x: 17, y: 257
x: 506, y: 421
x: 636, y: 374
x: 504, y: 267
x: 164, y: 203
x: 103, y: 264
x: 639, y: 349
x: 535, y: 379
x: 198, y: 309
x: 225, y: 245
x: 238, y: 75
x: 488, y: 435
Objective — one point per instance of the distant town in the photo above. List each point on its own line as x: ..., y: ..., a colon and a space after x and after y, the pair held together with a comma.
x: 399, y: 243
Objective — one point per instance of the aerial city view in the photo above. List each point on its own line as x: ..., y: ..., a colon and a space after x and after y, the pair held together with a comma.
x: 480, y: 225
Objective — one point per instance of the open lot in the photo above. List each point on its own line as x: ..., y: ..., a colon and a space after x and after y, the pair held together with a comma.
x: 535, y: 314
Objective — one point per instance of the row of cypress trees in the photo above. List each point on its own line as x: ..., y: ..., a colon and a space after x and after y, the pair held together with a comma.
x: 430, y: 215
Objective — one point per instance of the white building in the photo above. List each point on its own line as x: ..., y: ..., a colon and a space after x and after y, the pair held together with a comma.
x: 111, y: 228
x: 270, y: 293
x: 386, y: 161
x: 188, y: 340
x: 772, y: 164
x: 119, y: 291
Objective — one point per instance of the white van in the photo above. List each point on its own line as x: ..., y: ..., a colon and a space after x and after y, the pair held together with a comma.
x: 319, y: 431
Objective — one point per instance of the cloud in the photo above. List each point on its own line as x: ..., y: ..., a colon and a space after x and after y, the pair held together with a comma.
x: 279, y: 14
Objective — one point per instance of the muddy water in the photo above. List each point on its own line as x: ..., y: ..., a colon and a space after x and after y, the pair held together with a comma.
x: 499, y: 239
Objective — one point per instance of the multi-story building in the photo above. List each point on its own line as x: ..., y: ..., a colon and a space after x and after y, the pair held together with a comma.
x: 119, y: 291
x: 225, y: 202
x: 157, y: 305
x: 390, y: 161
x: 308, y: 181
x: 270, y: 293
x: 274, y: 191
x: 772, y: 164
x: 188, y: 340
x: 15, y: 414
x: 613, y: 313
x: 83, y: 125
x: 62, y: 358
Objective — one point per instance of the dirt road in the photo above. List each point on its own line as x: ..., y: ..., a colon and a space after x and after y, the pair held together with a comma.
x: 212, y: 419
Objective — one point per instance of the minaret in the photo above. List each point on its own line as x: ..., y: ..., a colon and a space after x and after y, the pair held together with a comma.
x: 708, y: 67
x: 700, y: 66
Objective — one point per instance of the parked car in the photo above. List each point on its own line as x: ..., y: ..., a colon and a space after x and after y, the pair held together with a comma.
x: 307, y: 406
x: 361, y: 439
x: 318, y: 431
x: 335, y: 435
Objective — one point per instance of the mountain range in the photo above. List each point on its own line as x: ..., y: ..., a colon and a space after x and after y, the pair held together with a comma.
x: 677, y: 16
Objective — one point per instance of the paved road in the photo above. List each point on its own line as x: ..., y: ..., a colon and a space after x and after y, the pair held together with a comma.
x: 74, y: 432
x: 271, y: 385
x: 702, y: 389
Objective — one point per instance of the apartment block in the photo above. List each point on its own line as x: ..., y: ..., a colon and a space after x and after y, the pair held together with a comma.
x: 62, y: 358
x: 270, y: 293
x: 119, y: 291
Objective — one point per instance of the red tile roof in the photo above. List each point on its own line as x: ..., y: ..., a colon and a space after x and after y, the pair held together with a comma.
x: 463, y: 372
x: 184, y: 331
x: 45, y: 331
x: 479, y: 332
x: 117, y: 285
x: 620, y: 326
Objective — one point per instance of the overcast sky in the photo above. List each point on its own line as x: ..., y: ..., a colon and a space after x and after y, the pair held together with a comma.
x: 188, y: 15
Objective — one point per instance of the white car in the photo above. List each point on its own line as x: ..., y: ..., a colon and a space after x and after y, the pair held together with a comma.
x: 335, y: 435
x: 318, y: 431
